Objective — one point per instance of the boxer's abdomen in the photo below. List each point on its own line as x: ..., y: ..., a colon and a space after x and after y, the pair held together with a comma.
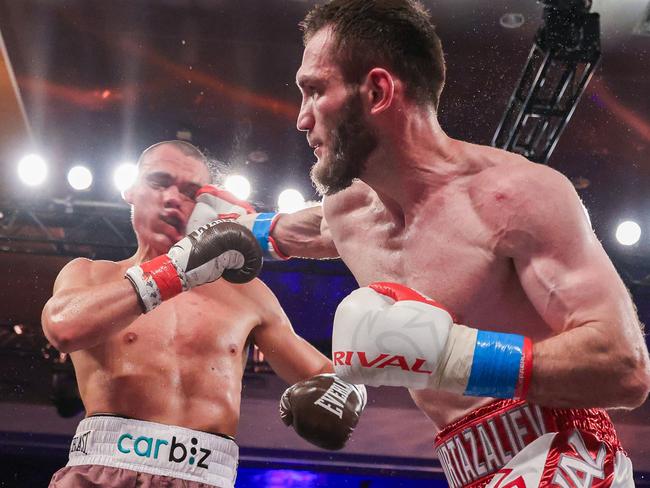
x: 181, y: 364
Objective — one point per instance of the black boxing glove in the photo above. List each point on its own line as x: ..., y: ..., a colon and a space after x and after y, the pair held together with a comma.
x: 220, y: 248
x: 323, y: 410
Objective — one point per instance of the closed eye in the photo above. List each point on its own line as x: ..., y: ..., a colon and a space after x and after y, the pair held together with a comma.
x: 156, y: 181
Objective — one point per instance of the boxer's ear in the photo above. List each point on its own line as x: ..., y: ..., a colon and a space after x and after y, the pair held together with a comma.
x: 379, y: 87
x: 127, y: 195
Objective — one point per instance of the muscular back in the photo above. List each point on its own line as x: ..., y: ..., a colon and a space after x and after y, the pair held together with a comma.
x: 446, y: 249
x: 180, y: 364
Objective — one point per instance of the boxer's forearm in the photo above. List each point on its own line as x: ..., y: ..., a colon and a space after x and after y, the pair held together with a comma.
x: 303, y: 234
x: 590, y: 366
x: 81, y: 318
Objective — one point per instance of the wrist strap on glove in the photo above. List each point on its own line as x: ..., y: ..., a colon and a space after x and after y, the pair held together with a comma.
x: 156, y: 280
x: 262, y: 228
x: 501, y: 364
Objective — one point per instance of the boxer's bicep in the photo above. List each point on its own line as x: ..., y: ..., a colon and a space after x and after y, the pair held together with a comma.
x: 74, y: 274
x: 571, y: 282
x: 290, y: 356
x: 326, y: 236
x: 562, y: 266
x: 536, y: 219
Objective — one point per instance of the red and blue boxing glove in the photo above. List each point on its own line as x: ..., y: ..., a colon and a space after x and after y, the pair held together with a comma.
x: 389, y: 334
x: 214, y: 203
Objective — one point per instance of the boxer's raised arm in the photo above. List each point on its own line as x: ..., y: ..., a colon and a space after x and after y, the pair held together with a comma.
x: 598, y: 357
x: 305, y: 234
x: 91, y: 302
x: 89, y: 305
x: 281, y: 236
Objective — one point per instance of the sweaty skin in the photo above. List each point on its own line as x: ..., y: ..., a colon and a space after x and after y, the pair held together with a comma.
x: 182, y: 363
x: 502, y: 242
x: 450, y: 250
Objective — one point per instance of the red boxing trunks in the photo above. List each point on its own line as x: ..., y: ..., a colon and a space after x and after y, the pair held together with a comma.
x: 515, y: 444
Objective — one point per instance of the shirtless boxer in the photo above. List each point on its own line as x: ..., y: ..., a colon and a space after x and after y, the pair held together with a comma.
x: 551, y: 336
x: 162, y: 389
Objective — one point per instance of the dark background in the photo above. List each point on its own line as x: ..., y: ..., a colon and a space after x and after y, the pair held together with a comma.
x: 101, y: 81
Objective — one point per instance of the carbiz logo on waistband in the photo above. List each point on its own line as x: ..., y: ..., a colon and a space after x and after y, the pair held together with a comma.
x: 149, y: 447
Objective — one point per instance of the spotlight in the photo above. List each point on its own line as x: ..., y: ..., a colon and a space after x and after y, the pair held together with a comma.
x: 628, y: 233
x: 238, y: 186
x: 290, y: 201
x: 32, y: 170
x: 512, y: 20
x: 80, y: 178
x: 124, y: 176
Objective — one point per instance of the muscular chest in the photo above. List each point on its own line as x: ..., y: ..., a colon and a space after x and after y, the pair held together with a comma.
x: 193, y: 324
x: 444, y: 253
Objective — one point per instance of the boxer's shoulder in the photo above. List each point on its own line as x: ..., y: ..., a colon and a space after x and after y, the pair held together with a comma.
x: 87, y: 271
x: 514, y: 185
x: 263, y: 298
x: 519, y: 201
x: 255, y: 296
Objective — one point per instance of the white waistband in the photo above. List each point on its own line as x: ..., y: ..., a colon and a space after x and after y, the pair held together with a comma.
x: 153, y: 448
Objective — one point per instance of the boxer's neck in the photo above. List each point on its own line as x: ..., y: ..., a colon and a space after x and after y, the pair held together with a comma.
x: 146, y: 251
x: 414, y: 158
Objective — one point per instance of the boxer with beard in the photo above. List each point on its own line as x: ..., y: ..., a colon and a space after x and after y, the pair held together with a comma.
x: 484, y: 289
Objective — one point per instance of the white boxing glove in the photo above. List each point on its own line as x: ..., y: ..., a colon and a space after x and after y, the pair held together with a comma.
x: 389, y: 334
x: 214, y: 203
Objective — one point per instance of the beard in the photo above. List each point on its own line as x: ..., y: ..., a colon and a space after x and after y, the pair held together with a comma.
x: 352, y: 142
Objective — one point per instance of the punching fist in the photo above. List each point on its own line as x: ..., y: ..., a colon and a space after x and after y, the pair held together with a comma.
x: 220, y: 248
x: 323, y: 410
x: 214, y: 203
x: 389, y: 334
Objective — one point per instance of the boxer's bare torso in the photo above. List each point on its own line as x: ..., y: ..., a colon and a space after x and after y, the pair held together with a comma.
x: 501, y: 242
x: 446, y: 251
x: 181, y: 364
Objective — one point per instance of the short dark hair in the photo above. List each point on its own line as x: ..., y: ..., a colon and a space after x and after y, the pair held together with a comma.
x: 395, y: 33
x: 215, y: 167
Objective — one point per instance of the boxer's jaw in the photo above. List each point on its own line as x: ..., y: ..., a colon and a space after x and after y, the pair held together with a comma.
x: 345, y: 150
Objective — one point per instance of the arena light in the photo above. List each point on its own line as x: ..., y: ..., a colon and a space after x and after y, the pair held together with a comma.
x: 512, y: 20
x: 80, y: 178
x: 238, y: 186
x: 290, y: 201
x: 125, y: 175
x: 32, y: 170
x: 628, y: 233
